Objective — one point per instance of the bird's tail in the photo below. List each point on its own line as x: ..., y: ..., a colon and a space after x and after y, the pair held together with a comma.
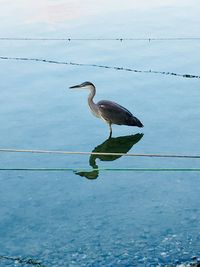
x: 136, y: 122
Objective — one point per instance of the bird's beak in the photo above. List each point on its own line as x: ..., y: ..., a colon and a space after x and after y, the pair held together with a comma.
x: 75, y: 86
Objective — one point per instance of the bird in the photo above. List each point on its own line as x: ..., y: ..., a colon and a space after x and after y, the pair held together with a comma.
x: 109, y: 111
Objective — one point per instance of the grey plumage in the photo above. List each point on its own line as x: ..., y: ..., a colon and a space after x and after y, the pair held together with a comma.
x: 116, y: 114
x: 110, y: 112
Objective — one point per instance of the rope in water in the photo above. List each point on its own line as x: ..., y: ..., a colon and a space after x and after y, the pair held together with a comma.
x: 37, y: 151
x: 103, y: 169
x: 19, y: 260
x: 101, y: 66
x: 101, y: 39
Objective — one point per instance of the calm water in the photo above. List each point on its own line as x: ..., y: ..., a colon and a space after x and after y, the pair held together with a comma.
x: 99, y: 218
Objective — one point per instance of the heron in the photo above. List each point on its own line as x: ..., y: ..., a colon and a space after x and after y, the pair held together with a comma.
x: 109, y: 111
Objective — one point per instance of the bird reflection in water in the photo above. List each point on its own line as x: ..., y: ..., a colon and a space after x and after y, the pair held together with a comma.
x: 121, y: 144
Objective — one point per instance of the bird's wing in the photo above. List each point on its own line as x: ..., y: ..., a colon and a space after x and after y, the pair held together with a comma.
x: 114, y: 113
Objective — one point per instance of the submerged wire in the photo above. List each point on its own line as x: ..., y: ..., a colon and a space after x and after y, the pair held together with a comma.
x: 100, y: 66
x: 62, y: 169
x: 19, y: 260
x: 103, y: 169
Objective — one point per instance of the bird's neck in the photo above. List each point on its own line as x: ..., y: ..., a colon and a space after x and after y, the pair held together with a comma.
x: 91, y: 96
x: 91, y: 103
x: 92, y: 92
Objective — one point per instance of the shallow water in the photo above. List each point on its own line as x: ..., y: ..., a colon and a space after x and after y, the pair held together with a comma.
x: 103, y: 218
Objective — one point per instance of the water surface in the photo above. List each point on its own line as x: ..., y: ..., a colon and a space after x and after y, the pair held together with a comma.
x: 99, y: 218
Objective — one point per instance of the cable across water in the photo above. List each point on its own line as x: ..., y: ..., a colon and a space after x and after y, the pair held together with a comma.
x: 61, y: 152
x: 150, y: 71
x: 101, y: 39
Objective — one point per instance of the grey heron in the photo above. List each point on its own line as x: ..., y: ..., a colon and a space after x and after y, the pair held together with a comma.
x: 108, y: 111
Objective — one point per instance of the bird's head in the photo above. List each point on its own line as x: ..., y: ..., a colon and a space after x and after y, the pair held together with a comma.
x: 85, y: 85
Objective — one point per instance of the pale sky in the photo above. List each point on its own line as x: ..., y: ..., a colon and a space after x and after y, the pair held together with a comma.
x: 29, y: 17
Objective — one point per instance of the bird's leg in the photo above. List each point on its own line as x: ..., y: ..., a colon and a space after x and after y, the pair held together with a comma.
x: 110, y: 130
